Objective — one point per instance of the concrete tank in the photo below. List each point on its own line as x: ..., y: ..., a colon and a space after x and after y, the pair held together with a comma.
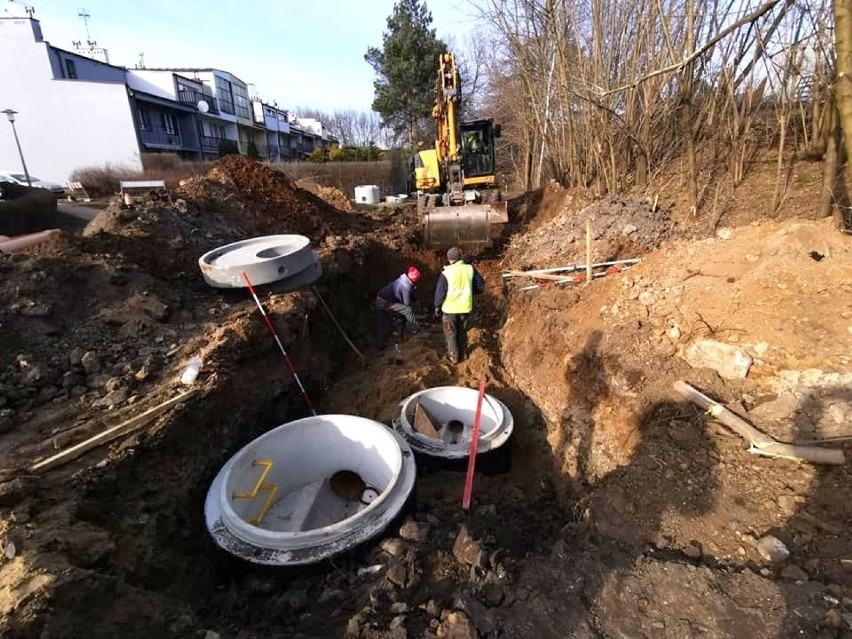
x: 453, y: 411
x: 265, y: 259
x: 287, y: 497
x: 367, y: 194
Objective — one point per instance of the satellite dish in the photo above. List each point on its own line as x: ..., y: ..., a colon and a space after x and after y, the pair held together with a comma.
x: 203, y: 106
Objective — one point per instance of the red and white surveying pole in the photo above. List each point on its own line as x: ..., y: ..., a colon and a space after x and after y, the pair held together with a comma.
x: 280, y: 345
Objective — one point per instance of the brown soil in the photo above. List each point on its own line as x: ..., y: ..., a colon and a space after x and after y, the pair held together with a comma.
x: 330, y: 194
x: 625, y: 511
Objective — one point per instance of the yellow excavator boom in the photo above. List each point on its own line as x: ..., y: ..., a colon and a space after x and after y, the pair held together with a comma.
x: 455, y: 177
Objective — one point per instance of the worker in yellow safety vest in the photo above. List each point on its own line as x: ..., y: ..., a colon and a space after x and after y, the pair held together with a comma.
x: 454, y: 292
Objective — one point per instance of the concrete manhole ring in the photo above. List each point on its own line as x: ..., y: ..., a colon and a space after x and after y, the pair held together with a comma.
x: 265, y: 259
x: 274, y: 503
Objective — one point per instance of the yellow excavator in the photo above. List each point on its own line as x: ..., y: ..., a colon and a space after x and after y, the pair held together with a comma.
x: 458, y: 196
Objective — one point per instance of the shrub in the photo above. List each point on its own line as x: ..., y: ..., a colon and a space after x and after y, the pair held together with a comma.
x: 160, y: 161
x: 102, y: 181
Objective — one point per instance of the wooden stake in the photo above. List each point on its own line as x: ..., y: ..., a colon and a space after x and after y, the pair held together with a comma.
x: 111, y: 433
x: 588, y: 252
x: 761, y: 443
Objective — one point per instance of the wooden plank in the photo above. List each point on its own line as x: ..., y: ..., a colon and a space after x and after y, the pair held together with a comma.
x: 424, y: 423
x: 761, y: 443
x: 539, y: 276
x: 588, y: 252
x: 108, y: 435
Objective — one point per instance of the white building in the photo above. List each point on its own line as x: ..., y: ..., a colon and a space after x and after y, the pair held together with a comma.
x: 72, y: 111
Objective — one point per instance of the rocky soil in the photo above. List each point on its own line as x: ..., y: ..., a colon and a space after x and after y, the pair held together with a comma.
x: 626, y: 512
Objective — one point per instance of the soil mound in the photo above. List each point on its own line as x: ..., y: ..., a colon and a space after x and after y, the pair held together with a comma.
x: 330, y: 194
x: 621, y: 228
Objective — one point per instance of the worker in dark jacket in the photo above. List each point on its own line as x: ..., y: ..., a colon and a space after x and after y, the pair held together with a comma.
x: 393, y: 299
x: 457, y: 285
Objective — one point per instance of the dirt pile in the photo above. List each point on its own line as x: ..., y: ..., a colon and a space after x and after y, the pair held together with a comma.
x: 261, y: 198
x: 651, y: 468
x: 621, y: 228
x: 330, y: 194
x: 236, y: 199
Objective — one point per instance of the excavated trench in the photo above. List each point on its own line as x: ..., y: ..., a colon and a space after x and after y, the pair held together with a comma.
x: 126, y: 551
x: 132, y: 555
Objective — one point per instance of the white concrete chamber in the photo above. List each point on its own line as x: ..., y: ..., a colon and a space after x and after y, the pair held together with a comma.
x: 454, y: 410
x: 287, y: 497
x: 266, y: 259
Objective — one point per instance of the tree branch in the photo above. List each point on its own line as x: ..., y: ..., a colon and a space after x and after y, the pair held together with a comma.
x: 757, y: 14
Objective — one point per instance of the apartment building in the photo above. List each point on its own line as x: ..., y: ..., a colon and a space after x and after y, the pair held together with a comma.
x: 74, y: 111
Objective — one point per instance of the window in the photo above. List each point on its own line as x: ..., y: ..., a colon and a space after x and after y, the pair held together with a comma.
x: 223, y: 92
x: 70, y: 69
x: 144, y: 120
x: 169, y: 123
x: 217, y: 131
x: 241, y: 102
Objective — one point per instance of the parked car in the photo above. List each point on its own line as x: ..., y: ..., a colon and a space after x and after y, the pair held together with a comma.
x: 20, y: 178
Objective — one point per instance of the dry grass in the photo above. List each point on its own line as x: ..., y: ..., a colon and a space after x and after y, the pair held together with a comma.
x: 101, y: 181
x: 390, y: 175
x: 342, y: 175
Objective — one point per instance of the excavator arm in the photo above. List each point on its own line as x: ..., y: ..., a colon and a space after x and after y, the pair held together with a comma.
x: 455, y: 172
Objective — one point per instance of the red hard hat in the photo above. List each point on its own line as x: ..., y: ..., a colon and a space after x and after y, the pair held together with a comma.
x: 413, y: 274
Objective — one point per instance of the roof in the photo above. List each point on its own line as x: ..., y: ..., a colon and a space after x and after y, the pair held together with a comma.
x: 85, y: 57
x: 192, y: 70
x: 165, y: 102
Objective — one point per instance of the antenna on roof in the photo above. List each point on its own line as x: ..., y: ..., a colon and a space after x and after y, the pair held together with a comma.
x: 141, y: 63
x: 85, y: 17
x: 91, y: 50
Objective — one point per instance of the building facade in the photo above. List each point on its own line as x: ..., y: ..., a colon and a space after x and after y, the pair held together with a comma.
x: 74, y: 111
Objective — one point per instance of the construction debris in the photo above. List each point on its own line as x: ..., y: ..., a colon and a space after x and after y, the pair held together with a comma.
x: 760, y: 443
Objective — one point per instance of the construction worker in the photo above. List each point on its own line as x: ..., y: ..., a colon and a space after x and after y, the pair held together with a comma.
x: 395, y: 300
x: 457, y: 285
x: 473, y: 142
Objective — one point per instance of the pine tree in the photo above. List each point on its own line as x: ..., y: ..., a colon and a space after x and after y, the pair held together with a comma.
x: 407, y: 68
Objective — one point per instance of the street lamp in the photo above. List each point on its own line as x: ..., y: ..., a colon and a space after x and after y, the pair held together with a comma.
x: 11, y: 115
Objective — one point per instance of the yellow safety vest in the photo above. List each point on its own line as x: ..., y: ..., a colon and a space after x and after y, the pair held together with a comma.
x: 459, y: 288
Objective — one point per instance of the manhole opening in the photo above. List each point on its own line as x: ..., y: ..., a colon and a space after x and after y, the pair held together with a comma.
x: 348, y: 485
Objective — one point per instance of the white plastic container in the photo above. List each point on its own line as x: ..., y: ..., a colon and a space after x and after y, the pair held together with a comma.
x: 190, y: 373
x: 367, y: 194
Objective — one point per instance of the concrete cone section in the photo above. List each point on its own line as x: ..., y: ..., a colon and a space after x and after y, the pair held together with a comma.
x: 266, y: 259
x: 310, y: 489
x: 449, y: 412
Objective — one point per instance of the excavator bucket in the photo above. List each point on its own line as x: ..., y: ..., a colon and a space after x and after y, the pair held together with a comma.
x: 467, y: 226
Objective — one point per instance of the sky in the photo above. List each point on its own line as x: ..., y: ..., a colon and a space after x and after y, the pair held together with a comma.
x: 307, y: 54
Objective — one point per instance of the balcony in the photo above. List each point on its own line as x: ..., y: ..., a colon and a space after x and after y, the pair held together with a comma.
x: 210, y: 143
x: 161, y: 138
x: 194, y: 97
